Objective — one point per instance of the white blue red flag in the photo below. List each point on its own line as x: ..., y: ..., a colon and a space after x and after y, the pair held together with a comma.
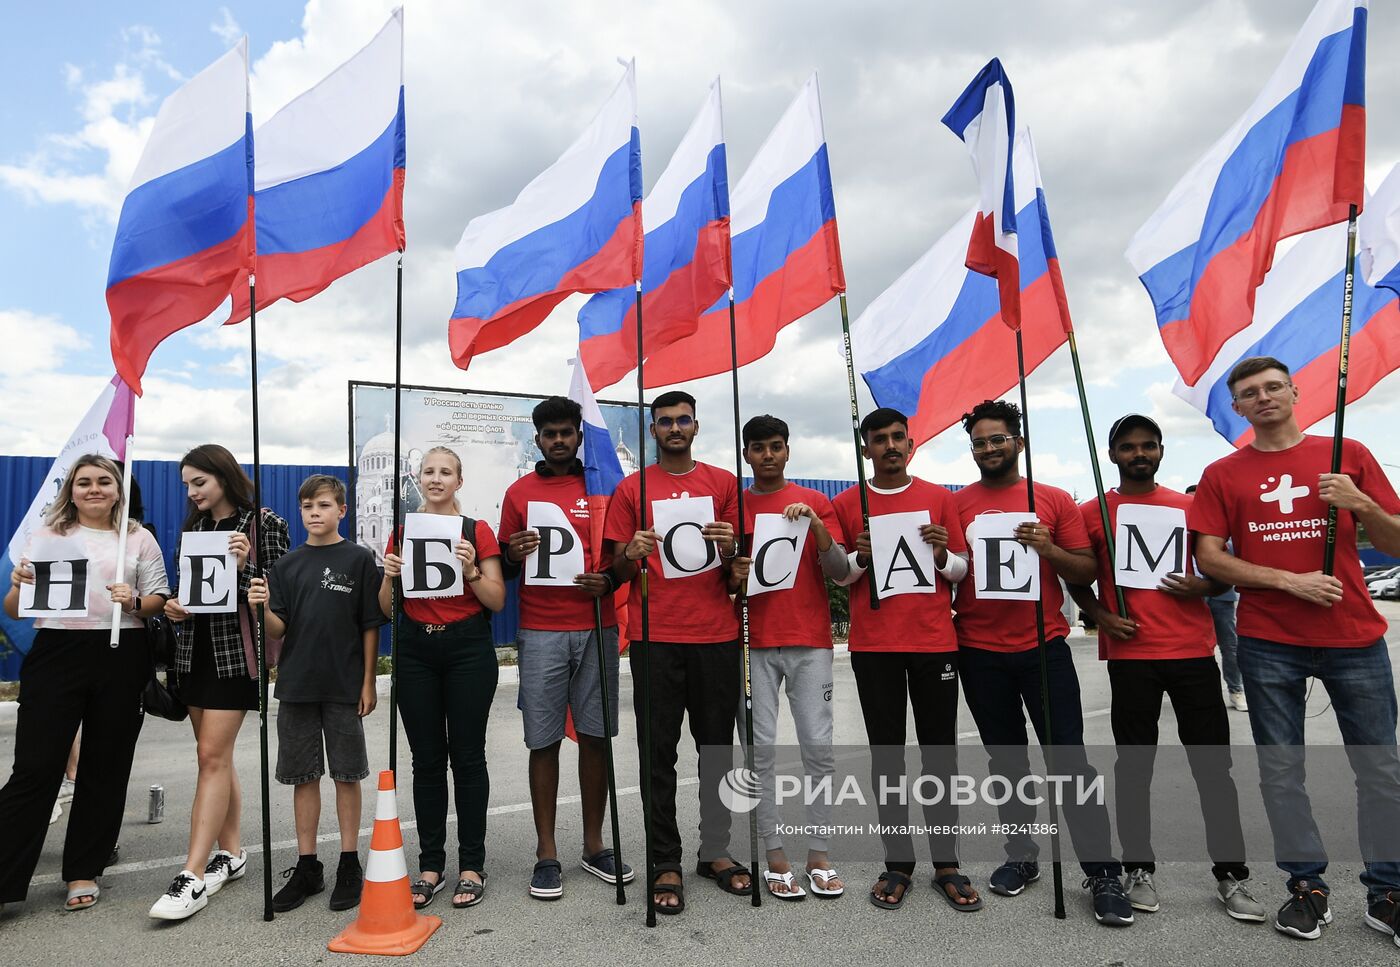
x: 984, y: 117
x: 104, y: 429
x: 1294, y: 162
x: 936, y: 342
x: 786, y: 254
x: 576, y: 228
x: 685, y: 268
x: 186, y: 224
x: 329, y: 177
x: 602, y: 470
x: 1297, y: 320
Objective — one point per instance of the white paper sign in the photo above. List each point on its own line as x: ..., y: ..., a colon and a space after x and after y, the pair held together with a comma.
x: 208, y: 575
x: 430, y: 565
x: 1003, y: 567
x: 61, y: 575
x: 900, y: 561
x: 559, y: 557
x: 777, y: 552
x: 1149, y: 543
x: 677, y: 522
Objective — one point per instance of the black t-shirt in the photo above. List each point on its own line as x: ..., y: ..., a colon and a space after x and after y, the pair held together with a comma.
x: 328, y: 596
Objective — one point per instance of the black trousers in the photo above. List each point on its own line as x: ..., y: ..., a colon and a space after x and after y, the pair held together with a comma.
x: 68, y: 679
x: 888, y: 683
x: 701, y: 682
x: 999, y: 685
x: 1203, y: 725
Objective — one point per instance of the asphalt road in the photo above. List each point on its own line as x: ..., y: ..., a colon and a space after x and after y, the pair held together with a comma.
x: 588, y: 927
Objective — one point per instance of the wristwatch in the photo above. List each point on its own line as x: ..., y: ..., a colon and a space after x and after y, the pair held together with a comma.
x: 135, y: 603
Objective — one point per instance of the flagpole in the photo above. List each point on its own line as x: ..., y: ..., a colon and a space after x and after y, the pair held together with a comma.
x: 855, y: 435
x: 608, y: 748
x: 1093, y: 462
x: 261, y: 638
x: 120, y: 576
x: 1329, y: 549
x: 395, y: 605
x: 744, y: 603
x: 645, y: 639
x: 1047, y: 743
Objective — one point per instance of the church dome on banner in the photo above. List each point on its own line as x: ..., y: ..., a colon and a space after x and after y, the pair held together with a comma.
x: 374, y: 492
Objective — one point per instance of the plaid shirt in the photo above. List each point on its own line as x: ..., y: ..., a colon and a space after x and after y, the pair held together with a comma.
x: 224, y: 629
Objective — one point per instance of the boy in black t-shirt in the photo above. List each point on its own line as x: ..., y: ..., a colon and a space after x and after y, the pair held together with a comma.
x: 322, y: 598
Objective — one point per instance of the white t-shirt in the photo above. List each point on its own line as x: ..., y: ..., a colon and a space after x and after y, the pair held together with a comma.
x: 145, y: 571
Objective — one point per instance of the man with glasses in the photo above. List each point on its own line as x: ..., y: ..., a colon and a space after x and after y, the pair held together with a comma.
x: 1271, y: 499
x: 1164, y: 646
x: 1000, y: 666
x: 691, y: 660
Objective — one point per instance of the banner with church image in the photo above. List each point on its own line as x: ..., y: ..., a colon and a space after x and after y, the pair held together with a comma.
x: 491, y: 432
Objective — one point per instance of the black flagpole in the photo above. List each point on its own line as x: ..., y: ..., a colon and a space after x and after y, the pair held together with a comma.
x: 1108, y: 535
x: 608, y: 749
x: 395, y: 605
x: 744, y: 604
x: 855, y: 435
x: 1329, y: 550
x: 1048, y: 743
x: 261, y: 636
x: 644, y: 640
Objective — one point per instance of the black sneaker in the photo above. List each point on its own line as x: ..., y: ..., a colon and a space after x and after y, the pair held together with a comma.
x: 1010, y: 878
x: 1305, y: 913
x: 349, y: 880
x: 1111, y: 906
x: 302, y: 882
x: 1384, y: 915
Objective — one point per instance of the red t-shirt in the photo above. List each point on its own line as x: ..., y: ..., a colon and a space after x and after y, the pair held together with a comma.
x: 800, y: 615
x: 444, y: 611
x: 905, y: 622
x: 1267, y: 504
x: 690, y: 609
x: 1167, y: 626
x: 1010, y: 625
x: 551, y: 608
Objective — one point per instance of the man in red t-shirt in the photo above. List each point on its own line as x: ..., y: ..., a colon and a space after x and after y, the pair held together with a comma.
x: 790, y: 643
x: 907, y: 647
x: 689, y: 660
x: 1166, y: 645
x: 1271, y: 499
x: 999, y: 662
x: 558, y: 652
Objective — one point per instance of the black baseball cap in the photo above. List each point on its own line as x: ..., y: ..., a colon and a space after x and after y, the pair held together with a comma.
x: 1131, y: 422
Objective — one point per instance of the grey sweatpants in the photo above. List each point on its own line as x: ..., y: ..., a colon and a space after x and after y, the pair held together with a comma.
x: 805, y: 674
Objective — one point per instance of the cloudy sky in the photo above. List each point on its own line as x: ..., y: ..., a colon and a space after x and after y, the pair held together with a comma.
x: 1122, y: 98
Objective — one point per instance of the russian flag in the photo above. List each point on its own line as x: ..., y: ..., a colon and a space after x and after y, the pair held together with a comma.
x: 686, y: 265
x: 984, y: 117
x: 576, y: 228
x: 329, y: 177
x: 1297, y: 320
x: 1294, y: 162
x: 936, y: 342
x: 186, y: 225
x: 786, y: 255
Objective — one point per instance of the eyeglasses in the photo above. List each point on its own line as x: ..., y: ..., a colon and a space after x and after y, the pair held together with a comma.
x: 998, y: 440
x: 666, y: 422
x: 1275, y: 389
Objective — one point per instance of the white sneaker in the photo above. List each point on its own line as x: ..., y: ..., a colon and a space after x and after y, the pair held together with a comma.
x: 1238, y: 703
x: 186, y: 897
x: 65, y: 790
x: 57, y: 812
x: 223, y: 867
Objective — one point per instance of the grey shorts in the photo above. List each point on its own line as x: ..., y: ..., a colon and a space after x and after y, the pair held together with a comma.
x: 558, y: 671
x: 301, y: 726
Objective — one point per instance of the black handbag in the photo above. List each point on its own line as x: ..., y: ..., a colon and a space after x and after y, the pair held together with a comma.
x: 161, y: 699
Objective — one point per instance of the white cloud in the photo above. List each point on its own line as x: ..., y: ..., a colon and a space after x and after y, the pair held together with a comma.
x: 226, y: 28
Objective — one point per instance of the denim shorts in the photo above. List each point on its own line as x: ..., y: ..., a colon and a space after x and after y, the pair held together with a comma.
x: 559, y: 671
x: 300, y: 729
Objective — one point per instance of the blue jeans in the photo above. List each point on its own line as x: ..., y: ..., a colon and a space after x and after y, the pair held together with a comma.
x: 1362, y: 690
x: 1223, y: 614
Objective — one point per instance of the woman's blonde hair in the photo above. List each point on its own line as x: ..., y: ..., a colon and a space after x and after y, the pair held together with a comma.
x: 456, y: 505
x: 63, y: 513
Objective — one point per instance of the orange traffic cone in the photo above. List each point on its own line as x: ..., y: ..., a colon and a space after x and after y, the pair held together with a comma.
x: 388, y: 925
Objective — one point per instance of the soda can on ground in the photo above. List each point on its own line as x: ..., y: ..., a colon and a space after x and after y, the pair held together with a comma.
x: 156, y: 811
